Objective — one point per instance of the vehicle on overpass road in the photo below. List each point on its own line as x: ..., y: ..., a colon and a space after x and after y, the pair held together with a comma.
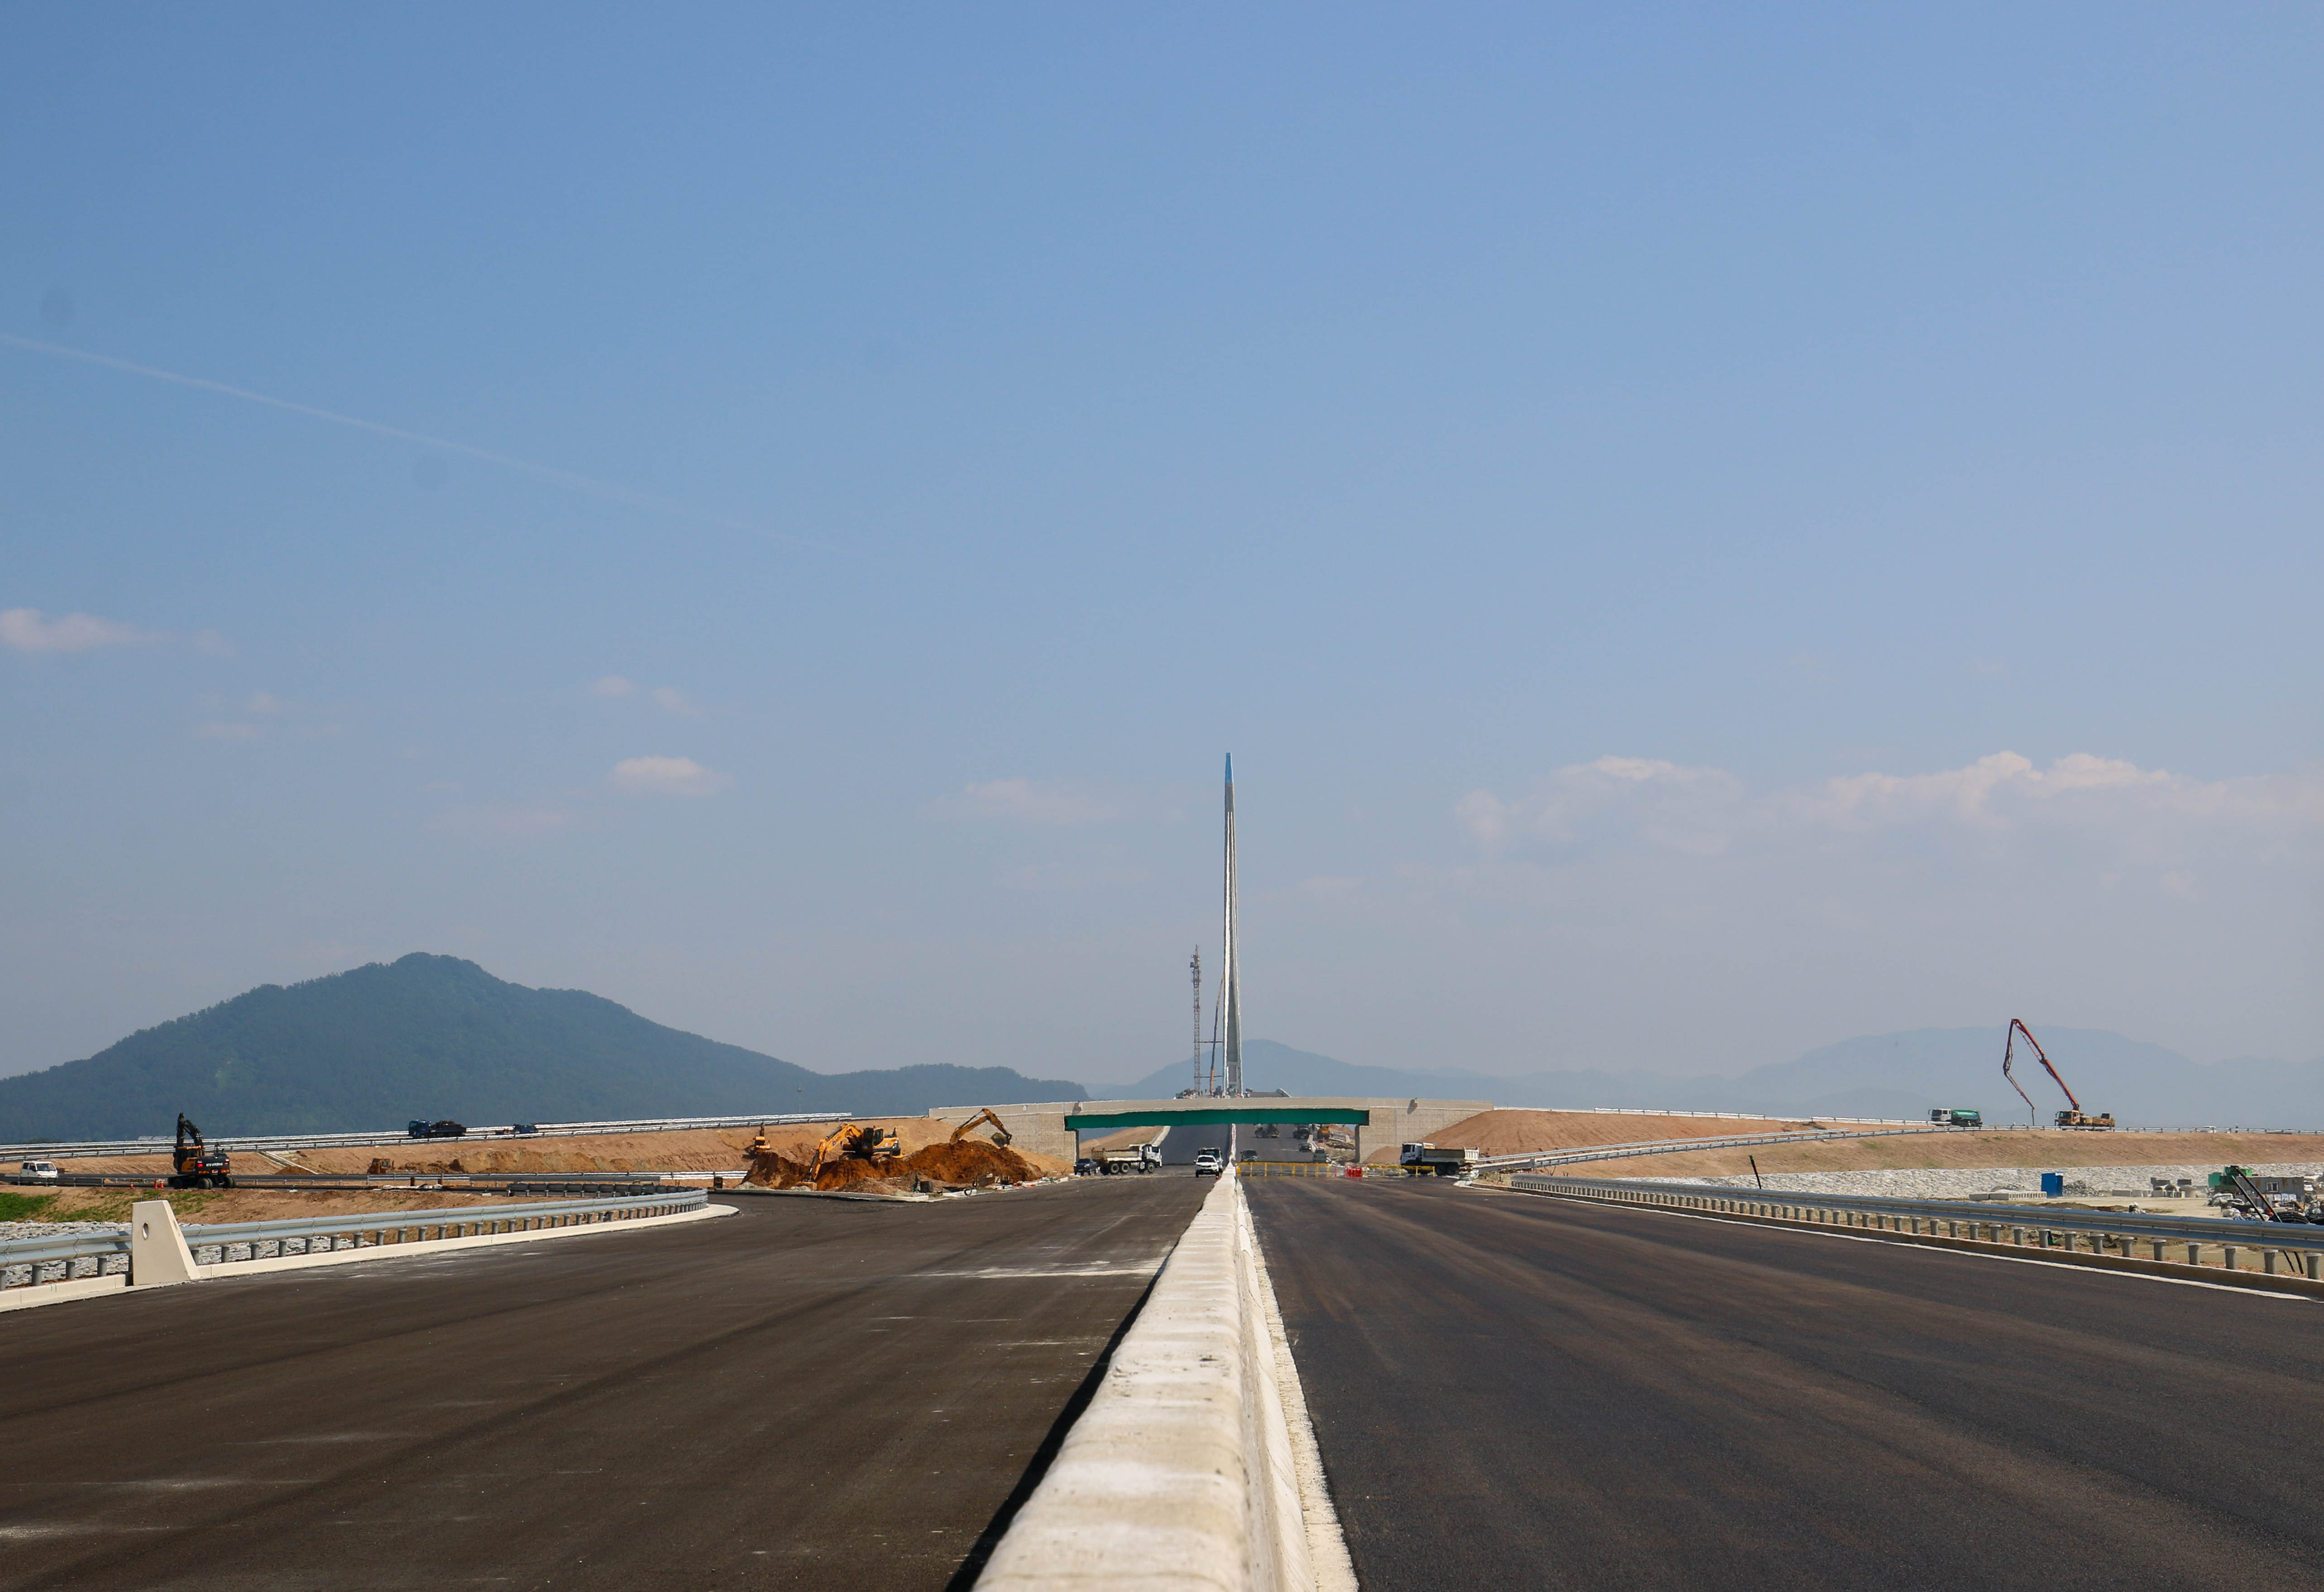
x: 761, y: 1400
x: 1516, y: 1391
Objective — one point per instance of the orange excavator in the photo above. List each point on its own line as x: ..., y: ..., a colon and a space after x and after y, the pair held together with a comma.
x: 2073, y: 1118
x: 1000, y: 1134
x: 193, y: 1165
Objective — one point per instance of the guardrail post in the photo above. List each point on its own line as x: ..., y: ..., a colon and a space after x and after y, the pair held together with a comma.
x: 2194, y: 1255
x: 2315, y: 1267
x: 2017, y: 1236
x: 2267, y: 1261
x: 2229, y: 1250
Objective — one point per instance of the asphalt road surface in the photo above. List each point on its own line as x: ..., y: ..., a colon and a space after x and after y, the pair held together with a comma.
x: 813, y: 1393
x: 1514, y: 1391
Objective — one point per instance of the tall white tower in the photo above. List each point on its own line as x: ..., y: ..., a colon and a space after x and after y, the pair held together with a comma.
x: 1231, y: 975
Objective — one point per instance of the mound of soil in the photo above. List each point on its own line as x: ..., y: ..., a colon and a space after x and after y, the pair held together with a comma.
x: 972, y: 1163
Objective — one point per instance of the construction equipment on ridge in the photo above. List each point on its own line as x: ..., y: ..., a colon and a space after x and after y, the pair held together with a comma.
x: 194, y: 1165
x: 1000, y: 1134
x: 2074, y: 1117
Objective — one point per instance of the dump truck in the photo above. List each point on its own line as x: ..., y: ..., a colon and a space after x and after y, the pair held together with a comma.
x: 1133, y: 1158
x: 1441, y: 1160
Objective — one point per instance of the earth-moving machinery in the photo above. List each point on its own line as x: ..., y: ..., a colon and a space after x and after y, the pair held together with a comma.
x: 1000, y: 1134
x: 2075, y: 1116
x: 851, y: 1141
x: 2268, y: 1199
x: 193, y: 1165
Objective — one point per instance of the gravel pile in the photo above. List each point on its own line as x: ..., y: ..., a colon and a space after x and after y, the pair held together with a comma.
x: 1958, y: 1183
x: 56, y: 1229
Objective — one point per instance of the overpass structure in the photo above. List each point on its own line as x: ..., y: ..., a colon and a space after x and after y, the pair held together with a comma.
x: 1055, y: 1128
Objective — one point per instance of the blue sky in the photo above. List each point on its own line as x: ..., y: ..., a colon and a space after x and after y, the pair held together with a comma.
x: 1625, y: 483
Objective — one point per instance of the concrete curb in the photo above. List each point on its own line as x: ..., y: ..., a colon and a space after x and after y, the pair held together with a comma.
x: 225, y: 1270
x: 35, y: 1295
x: 1184, y: 1472
x: 117, y: 1283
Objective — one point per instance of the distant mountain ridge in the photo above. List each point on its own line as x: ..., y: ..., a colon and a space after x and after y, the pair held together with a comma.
x: 439, y: 1036
x: 1900, y: 1074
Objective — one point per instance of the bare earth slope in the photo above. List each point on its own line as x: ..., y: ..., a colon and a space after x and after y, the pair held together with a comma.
x: 1510, y: 1132
x: 709, y: 1150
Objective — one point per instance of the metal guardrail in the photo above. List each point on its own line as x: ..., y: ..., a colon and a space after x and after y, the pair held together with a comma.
x: 326, y: 1141
x: 1669, y: 1147
x: 26, y: 1261
x: 2296, y: 1239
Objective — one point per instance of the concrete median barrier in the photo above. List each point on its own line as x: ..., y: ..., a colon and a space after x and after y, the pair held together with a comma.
x: 1192, y: 1465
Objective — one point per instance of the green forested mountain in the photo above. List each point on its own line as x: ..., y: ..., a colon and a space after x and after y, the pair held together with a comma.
x: 436, y: 1036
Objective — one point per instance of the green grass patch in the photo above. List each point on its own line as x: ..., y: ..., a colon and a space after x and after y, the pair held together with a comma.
x: 24, y: 1207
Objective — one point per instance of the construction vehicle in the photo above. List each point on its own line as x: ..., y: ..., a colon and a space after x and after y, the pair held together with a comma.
x: 193, y: 1165
x: 1000, y: 1134
x: 1136, y: 1158
x: 851, y: 1141
x: 2265, y: 1198
x: 1954, y: 1117
x: 1444, y: 1160
x: 2075, y: 1116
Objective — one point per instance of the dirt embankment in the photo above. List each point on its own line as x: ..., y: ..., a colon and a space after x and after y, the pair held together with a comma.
x: 711, y: 1150
x: 1513, y: 1132
x: 1998, y: 1150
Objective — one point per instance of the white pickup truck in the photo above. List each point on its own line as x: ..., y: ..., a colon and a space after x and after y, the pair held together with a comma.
x: 46, y: 1170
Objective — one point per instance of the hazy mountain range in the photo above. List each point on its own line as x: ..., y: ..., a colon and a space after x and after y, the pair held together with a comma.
x: 435, y: 1036
x: 1877, y: 1075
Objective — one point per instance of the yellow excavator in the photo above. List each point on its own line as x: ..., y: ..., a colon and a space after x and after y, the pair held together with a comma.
x: 851, y: 1141
x: 1000, y: 1134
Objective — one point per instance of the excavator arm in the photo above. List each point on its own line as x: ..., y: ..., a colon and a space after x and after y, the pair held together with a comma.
x: 1000, y: 1134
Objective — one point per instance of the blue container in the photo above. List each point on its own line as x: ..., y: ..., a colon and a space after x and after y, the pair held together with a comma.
x: 2053, y: 1183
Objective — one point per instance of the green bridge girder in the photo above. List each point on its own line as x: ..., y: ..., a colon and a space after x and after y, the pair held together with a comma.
x: 1203, y: 1116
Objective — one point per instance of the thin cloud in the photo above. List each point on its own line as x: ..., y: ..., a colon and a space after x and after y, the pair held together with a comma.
x: 612, y: 685
x: 27, y: 629
x: 1027, y: 801
x: 670, y: 699
x: 578, y: 483
x: 667, y: 776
